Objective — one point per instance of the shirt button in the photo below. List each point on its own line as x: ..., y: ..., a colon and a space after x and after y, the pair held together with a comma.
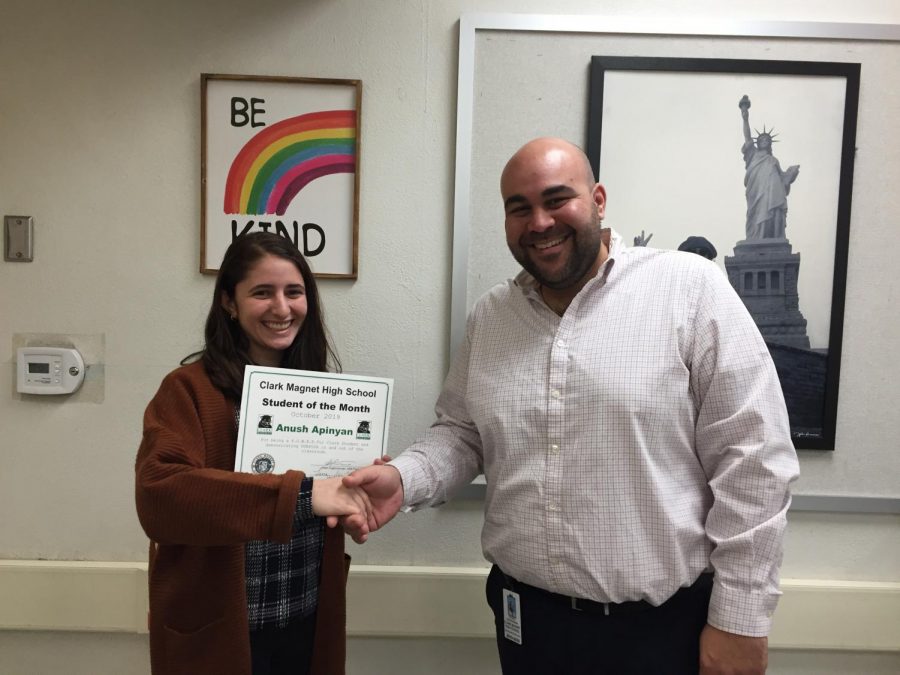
x: 560, y: 343
x: 554, y: 449
x: 554, y: 393
x: 553, y: 506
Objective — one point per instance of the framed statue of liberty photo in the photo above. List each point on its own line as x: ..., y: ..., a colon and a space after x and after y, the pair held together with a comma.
x: 748, y: 163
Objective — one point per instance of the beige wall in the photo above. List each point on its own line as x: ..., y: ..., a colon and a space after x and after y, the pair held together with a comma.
x: 99, y: 142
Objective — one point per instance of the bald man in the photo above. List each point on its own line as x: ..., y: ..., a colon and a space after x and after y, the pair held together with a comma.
x: 631, y: 429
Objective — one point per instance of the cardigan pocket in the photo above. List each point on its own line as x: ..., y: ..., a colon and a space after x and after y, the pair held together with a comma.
x: 212, y: 648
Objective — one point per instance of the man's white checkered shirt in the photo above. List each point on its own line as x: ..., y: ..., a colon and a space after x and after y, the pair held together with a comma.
x: 628, y: 446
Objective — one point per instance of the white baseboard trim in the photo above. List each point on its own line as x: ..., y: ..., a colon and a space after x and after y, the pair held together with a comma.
x: 411, y: 601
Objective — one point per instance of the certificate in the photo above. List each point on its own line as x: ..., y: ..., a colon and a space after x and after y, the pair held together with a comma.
x: 324, y: 424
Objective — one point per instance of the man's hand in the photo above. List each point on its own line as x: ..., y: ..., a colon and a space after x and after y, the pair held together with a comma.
x: 384, y: 489
x: 331, y: 498
x: 724, y: 653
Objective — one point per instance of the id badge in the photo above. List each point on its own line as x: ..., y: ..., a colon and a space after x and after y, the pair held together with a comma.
x: 512, y: 616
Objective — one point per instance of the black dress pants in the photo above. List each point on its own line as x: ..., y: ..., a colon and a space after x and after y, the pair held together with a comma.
x: 283, y: 651
x: 633, y: 639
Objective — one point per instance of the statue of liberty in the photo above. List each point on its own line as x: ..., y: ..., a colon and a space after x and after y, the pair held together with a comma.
x: 767, y: 185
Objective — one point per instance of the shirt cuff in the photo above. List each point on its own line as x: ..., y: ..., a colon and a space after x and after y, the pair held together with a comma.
x: 414, y: 479
x: 304, y: 501
x: 740, y: 612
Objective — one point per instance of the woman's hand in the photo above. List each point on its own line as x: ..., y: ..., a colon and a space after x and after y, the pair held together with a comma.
x: 331, y: 498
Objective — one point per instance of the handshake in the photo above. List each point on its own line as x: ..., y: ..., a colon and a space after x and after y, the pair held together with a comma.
x: 361, y: 502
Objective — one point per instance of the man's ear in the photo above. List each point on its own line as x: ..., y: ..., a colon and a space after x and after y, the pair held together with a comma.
x: 228, y: 304
x: 599, y: 196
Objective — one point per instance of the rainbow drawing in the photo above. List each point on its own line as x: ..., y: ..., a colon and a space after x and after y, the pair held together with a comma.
x: 285, y: 157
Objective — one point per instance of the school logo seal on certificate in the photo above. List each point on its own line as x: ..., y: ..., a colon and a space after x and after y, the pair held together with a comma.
x: 324, y: 424
x: 263, y: 463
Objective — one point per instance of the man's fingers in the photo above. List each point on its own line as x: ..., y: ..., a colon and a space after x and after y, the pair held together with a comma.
x: 355, y: 522
x: 356, y: 527
x: 359, y: 477
x: 365, y: 503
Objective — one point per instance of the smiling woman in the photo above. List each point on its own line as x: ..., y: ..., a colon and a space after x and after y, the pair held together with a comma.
x: 244, y: 576
x: 270, y: 306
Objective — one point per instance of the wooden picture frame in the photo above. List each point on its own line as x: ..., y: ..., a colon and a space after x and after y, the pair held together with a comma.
x: 281, y: 154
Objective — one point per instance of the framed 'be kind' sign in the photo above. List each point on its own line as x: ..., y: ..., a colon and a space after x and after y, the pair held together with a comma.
x: 281, y: 155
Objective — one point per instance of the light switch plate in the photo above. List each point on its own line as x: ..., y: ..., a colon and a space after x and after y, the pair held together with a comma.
x: 18, y: 239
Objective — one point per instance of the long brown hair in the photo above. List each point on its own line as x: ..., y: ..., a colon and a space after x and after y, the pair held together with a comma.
x: 226, y: 351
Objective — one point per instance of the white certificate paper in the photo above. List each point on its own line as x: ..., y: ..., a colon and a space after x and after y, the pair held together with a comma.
x: 324, y: 424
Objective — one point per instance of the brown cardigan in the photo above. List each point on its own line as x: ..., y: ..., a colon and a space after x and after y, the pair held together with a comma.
x: 198, y: 514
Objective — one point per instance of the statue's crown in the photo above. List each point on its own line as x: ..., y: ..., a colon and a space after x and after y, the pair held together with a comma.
x: 769, y: 134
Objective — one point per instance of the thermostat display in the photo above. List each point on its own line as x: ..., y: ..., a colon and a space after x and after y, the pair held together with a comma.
x: 48, y: 370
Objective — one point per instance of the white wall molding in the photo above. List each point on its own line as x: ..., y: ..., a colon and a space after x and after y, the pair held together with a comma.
x: 73, y: 595
x: 444, y: 602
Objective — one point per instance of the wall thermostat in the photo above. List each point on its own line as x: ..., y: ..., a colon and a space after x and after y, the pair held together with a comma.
x: 49, y: 370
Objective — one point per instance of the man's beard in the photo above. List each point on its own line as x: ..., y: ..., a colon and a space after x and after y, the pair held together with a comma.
x: 585, y: 249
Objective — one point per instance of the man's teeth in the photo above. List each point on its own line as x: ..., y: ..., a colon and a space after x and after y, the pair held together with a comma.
x: 541, y: 245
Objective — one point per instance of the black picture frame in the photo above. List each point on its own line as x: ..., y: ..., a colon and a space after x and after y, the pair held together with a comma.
x: 659, y: 140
